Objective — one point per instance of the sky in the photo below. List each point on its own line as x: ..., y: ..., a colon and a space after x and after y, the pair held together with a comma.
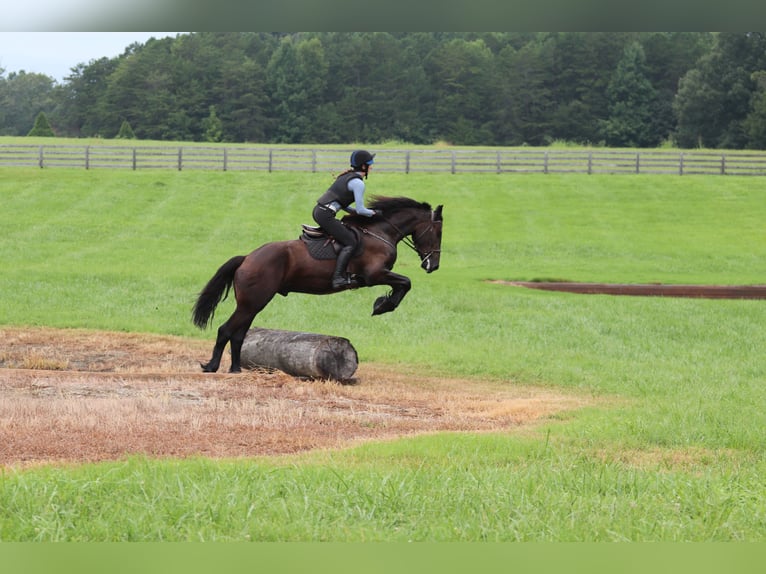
x: 55, y: 53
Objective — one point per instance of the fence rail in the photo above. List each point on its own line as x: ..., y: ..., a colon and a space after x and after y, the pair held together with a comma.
x: 233, y: 158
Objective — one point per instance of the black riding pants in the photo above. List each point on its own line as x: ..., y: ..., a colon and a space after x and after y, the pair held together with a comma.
x: 325, y: 218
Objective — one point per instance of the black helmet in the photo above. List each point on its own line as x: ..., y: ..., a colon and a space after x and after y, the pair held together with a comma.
x: 360, y: 159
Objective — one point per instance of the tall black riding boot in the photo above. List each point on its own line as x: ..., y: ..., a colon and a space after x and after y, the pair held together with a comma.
x: 339, y: 278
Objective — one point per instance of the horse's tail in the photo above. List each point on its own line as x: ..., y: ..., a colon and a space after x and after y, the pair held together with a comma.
x: 216, y: 290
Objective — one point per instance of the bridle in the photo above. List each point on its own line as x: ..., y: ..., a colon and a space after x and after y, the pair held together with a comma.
x: 409, y: 242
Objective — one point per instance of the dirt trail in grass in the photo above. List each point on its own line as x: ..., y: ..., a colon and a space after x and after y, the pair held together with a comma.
x: 83, y: 396
x: 646, y: 289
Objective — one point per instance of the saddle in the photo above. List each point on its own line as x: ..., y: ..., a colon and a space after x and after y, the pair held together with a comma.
x: 322, y: 245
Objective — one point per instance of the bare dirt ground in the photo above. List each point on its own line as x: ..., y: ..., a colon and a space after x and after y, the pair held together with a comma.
x: 71, y: 396
x: 646, y: 289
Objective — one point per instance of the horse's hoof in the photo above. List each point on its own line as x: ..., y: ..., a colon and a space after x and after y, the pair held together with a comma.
x: 206, y: 368
x: 382, y: 305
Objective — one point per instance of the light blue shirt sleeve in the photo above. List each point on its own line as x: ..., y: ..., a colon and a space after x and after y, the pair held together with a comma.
x: 357, y: 186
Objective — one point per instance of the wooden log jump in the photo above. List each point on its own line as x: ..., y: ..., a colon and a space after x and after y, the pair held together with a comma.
x: 300, y: 354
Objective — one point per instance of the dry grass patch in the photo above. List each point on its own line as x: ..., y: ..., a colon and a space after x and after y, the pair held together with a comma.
x: 688, y: 459
x: 101, y: 396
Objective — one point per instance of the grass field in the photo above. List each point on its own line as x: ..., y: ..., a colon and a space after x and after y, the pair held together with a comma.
x: 676, y: 453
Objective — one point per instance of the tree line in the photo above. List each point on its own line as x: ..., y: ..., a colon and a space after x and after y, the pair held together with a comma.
x: 688, y: 89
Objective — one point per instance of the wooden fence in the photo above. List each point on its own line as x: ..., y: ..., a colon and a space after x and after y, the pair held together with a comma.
x: 268, y: 159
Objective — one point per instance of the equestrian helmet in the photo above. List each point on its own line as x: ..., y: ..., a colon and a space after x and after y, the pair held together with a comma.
x: 361, y: 159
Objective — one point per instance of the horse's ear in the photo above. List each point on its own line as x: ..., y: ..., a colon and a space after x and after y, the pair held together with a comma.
x: 438, y: 213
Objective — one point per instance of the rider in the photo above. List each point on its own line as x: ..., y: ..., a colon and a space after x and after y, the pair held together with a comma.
x: 347, y: 188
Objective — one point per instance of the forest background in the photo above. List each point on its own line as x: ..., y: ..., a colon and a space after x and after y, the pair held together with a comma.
x: 631, y: 89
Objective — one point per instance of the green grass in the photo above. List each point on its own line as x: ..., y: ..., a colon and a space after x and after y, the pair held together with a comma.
x: 676, y: 453
x: 459, y: 488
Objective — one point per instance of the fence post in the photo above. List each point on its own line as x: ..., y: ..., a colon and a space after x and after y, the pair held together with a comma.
x: 407, y: 162
x: 40, y: 157
x: 681, y: 164
x: 638, y: 162
x: 453, y: 162
x: 723, y: 164
x: 180, y: 160
x: 271, y: 158
x: 313, y: 161
x: 498, y: 163
x: 87, y: 157
x: 590, y: 163
x: 134, y: 159
x: 225, y: 158
x: 545, y: 163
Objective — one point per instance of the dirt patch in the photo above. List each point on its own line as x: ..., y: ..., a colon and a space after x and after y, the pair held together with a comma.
x: 646, y: 290
x: 84, y: 396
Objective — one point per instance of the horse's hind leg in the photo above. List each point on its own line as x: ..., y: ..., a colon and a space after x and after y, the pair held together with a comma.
x: 254, y: 287
x: 220, y: 344
x: 237, y: 339
x: 239, y: 324
x: 233, y: 331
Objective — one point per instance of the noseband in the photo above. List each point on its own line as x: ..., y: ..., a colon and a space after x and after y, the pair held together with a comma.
x: 412, y: 243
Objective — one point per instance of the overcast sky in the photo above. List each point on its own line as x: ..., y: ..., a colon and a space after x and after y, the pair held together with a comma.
x: 55, y: 53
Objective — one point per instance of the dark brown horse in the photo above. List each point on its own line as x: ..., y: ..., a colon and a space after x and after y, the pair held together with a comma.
x: 287, y: 266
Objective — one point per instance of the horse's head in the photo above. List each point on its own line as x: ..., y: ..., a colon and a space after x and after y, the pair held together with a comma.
x: 427, y: 238
x: 414, y: 222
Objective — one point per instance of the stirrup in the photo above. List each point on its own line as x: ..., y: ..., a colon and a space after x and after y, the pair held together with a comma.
x: 338, y: 282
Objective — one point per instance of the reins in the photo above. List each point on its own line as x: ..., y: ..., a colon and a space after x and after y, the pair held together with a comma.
x: 411, y: 243
x: 371, y: 234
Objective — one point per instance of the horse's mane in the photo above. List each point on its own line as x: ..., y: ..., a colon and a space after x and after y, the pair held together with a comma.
x: 386, y: 205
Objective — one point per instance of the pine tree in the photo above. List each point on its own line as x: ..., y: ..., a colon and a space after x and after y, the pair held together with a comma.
x: 755, y: 122
x: 631, y: 102
x: 126, y: 132
x: 212, y: 127
x: 42, y: 127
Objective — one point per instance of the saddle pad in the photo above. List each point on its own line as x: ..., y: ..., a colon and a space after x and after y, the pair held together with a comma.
x: 319, y: 248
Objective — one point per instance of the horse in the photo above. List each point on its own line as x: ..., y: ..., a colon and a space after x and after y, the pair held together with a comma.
x: 288, y: 266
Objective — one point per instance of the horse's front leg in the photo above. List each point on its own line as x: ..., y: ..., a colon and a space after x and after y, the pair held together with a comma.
x: 400, y: 285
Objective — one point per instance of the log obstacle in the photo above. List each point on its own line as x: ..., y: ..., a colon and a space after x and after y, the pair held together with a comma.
x: 300, y: 354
